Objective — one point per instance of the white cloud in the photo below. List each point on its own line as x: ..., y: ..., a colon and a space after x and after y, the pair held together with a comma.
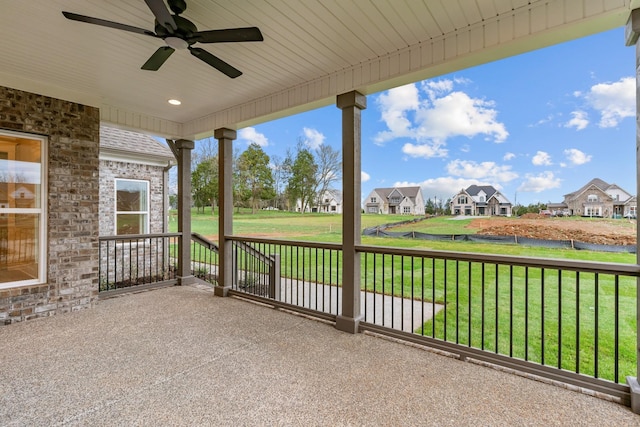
x: 251, y: 136
x: 426, y: 150
x: 577, y: 157
x: 313, y: 138
x: 457, y: 114
x: 439, y: 114
x: 508, y: 156
x: 550, y: 118
x: 541, y: 159
x: 579, y: 120
x: 394, y: 105
x: 364, y: 177
x: 484, y: 170
x: 614, y: 101
x: 437, y: 87
x: 540, y: 182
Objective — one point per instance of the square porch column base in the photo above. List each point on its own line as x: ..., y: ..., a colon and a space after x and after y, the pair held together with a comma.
x: 635, y: 394
x: 348, y: 324
x: 186, y: 280
x: 221, y: 291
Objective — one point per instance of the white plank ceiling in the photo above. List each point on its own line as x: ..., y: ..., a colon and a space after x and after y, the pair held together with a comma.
x: 313, y: 50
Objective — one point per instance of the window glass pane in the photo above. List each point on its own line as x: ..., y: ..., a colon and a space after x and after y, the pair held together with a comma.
x: 20, y: 173
x: 131, y: 224
x: 19, y: 247
x: 131, y: 196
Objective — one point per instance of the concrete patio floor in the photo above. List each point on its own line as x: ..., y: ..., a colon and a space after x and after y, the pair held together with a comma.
x: 180, y: 356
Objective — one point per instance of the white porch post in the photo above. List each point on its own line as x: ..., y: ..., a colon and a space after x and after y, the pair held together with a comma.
x: 632, y: 31
x: 351, y: 104
x: 225, y: 139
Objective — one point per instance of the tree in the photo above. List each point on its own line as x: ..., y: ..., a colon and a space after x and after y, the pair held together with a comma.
x: 204, y: 183
x: 281, y: 174
x: 431, y: 207
x: 329, y: 169
x: 302, y: 183
x: 255, y: 180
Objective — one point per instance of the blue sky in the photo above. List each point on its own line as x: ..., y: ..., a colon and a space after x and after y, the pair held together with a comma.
x: 536, y: 126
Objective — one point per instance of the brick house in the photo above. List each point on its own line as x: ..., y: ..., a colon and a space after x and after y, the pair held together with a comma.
x: 395, y: 200
x: 48, y: 242
x: 133, y: 183
x: 597, y: 198
x: 480, y: 200
x: 50, y: 212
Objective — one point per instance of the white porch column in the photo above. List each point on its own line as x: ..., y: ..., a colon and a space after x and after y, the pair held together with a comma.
x: 632, y: 31
x: 225, y: 139
x: 351, y: 104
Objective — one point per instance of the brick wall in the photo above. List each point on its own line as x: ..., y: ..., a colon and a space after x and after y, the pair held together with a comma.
x: 145, y: 259
x: 109, y: 171
x: 72, y: 209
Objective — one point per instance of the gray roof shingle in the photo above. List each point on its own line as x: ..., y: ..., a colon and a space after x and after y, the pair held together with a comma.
x: 132, y: 142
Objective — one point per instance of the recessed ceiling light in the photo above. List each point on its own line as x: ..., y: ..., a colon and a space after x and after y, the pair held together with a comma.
x: 174, y: 102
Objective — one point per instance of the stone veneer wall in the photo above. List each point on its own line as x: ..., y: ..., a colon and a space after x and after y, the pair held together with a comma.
x: 73, y: 132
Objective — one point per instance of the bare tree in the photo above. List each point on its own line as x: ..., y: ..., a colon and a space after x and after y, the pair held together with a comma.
x: 329, y: 170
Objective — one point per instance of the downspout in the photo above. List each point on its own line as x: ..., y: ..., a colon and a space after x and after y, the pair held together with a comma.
x: 165, y: 196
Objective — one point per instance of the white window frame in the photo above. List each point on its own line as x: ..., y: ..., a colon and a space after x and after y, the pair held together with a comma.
x: 115, y: 205
x: 41, y: 254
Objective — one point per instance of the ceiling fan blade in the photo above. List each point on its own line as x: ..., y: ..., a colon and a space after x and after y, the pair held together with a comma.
x: 158, y: 58
x: 105, y: 23
x: 162, y: 14
x: 249, y: 34
x: 215, y: 62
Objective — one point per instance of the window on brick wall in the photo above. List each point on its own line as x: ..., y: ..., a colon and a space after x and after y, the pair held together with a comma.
x: 22, y: 209
x: 132, y: 206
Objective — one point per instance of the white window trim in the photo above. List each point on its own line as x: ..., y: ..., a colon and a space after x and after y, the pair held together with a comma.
x: 42, y: 211
x: 115, y: 205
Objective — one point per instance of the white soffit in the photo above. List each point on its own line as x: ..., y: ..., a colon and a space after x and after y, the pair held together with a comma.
x: 313, y: 50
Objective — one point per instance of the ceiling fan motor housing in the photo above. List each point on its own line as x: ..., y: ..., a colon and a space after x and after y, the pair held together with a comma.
x: 185, y: 29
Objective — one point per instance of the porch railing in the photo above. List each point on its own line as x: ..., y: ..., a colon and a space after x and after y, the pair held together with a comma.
x: 570, y: 321
x: 300, y: 275
x: 204, y: 258
x: 137, y: 260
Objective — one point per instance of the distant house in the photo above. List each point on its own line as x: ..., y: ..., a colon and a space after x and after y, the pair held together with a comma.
x: 480, y: 200
x: 597, y: 198
x: 330, y: 202
x: 133, y: 183
x: 396, y: 200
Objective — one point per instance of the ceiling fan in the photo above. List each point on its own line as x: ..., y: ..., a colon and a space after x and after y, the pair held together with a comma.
x: 180, y: 33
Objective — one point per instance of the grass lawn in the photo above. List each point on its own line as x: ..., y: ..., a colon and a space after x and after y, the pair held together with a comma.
x: 533, y: 311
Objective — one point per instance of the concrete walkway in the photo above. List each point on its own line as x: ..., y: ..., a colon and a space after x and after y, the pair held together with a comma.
x: 403, y: 314
x: 181, y: 357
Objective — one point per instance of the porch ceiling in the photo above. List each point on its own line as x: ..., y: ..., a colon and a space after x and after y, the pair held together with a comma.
x: 313, y: 50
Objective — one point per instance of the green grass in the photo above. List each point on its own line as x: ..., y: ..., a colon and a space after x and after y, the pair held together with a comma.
x: 512, y: 299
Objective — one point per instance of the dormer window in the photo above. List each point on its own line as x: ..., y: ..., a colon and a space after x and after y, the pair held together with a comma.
x: 482, y: 199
